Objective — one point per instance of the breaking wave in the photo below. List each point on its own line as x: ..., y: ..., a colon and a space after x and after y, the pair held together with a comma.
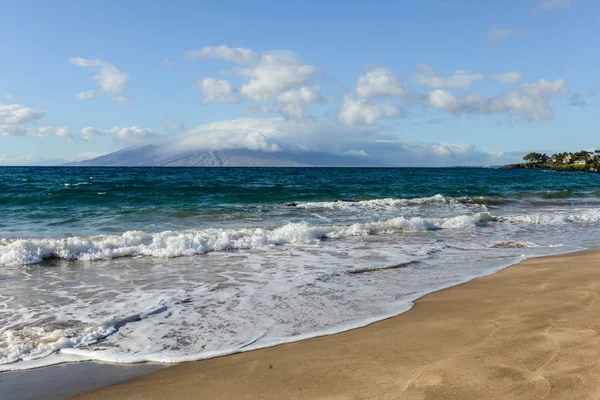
x: 193, y: 242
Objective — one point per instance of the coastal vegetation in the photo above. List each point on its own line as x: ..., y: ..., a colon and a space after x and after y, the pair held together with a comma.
x: 588, y: 161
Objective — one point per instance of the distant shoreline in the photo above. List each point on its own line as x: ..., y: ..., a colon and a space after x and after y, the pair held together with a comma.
x: 570, y: 168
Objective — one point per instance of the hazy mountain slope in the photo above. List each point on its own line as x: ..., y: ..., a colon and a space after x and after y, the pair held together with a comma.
x: 154, y: 156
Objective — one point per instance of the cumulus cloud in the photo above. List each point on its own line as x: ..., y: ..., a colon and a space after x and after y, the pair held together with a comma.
x: 39, y: 131
x: 496, y: 34
x: 109, y: 78
x: 269, y: 77
x: 16, y: 114
x: 274, y: 74
x: 427, y: 76
x: 237, y: 55
x: 218, y: 91
x: 380, y: 82
x: 508, y: 77
x: 86, y: 95
x: 445, y: 100
x: 46, y: 131
x: 16, y: 120
x: 356, y: 110
x: 531, y: 101
x: 127, y: 135
x: 124, y: 101
x: 293, y: 103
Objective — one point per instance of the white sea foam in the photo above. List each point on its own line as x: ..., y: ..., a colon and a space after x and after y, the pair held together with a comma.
x: 193, y: 242
x: 78, y: 184
x: 558, y: 217
x: 375, y: 203
x: 286, y: 283
x: 28, y: 343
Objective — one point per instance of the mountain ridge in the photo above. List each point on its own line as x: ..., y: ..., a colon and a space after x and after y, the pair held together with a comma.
x: 155, y: 156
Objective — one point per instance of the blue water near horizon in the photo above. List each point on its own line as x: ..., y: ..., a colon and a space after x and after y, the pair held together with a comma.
x: 57, y: 201
x: 176, y: 264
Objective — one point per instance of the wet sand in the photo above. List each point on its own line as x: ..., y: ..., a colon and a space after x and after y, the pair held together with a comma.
x: 530, y: 331
x: 67, y: 380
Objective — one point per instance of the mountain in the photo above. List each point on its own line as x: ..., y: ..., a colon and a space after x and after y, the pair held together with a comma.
x: 154, y: 156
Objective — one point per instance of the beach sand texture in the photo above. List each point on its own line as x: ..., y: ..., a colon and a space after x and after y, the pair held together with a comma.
x: 531, y: 331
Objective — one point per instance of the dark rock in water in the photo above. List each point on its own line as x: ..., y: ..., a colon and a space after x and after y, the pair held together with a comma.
x: 292, y: 204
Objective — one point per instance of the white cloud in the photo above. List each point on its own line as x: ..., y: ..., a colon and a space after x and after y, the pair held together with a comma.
x: 8, y: 96
x: 267, y: 75
x: 530, y: 100
x: 86, y: 95
x: 427, y: 76
x: 353, y: 111
x: 445, y: 100
x: 124, y: 101
x: 275, y: 135
x: 110, y: 79
x: 380, y: 82
x: 237, y: 55
x: 39, y: 131
x: 46, y: 131
x: 126, y: 135
x: 508, y: 77
x: 16, y: 114
x: 550, y: 4
x: 274, y: 74
x: 18, y: 120
x: 218, y: 91
x: 451, y: 149
x: 293, y: 103
x: 496, y: 34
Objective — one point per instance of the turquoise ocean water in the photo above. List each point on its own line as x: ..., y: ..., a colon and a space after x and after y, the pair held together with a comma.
x: 175, y: 264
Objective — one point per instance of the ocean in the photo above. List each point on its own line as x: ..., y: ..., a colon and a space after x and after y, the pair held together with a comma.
x: 168, y: 265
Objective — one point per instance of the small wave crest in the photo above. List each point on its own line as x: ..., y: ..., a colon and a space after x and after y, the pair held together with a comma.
x: 373, y: 204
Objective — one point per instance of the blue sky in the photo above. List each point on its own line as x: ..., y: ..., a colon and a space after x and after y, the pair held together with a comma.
x: 410, y: 83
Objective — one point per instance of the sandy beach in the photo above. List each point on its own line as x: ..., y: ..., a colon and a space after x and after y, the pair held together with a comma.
x: 530, y: 331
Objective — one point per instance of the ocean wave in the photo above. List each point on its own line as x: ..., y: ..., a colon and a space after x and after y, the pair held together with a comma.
x: 373, y: 204
x: 589, y: 215
x: 194, y: 242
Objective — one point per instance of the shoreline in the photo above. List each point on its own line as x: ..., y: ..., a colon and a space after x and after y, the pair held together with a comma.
x: 310, y: 361
x: 334, y: 330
